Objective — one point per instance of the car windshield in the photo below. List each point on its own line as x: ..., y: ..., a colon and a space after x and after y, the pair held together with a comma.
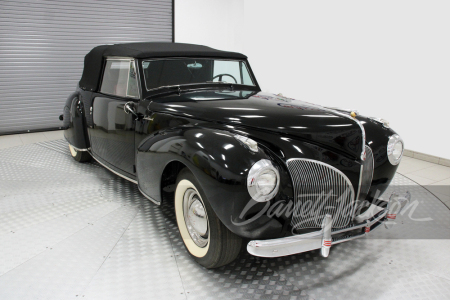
x: 183, y: 71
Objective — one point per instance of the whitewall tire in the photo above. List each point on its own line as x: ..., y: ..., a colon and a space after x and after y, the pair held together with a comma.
x: 79, y: 156
x: 209, y: 242
x: 185, y: 190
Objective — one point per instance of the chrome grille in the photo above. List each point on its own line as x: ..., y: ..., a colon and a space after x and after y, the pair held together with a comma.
x: 366, y: 175
x: 320, y: 189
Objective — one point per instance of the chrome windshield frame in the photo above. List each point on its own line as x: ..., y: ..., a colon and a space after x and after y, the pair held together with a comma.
x: 247, y: 67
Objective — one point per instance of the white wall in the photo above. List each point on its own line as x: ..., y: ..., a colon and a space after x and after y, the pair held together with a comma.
x: 215, y: 23
x: 388, y: 59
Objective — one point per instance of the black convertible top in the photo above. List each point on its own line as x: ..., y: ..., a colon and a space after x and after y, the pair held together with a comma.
x: 93, y: 61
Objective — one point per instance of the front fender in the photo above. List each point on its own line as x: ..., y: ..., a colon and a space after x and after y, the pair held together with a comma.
x: 220, y: 163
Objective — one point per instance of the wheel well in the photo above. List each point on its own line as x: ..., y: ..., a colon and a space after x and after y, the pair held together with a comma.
x: 169, y: 179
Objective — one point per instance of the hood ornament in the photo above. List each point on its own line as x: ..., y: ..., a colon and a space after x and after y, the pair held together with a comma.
x: 353, y: 114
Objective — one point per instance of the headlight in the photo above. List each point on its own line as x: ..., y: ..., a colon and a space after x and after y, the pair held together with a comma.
x: 263, y: 181
x: 395, y: 149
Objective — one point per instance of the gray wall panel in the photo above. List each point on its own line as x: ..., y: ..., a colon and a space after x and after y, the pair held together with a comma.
x: 43, y: 44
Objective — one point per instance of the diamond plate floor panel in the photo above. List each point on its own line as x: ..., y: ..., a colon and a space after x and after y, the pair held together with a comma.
x: 248, y: 277
x: 70, y: 230
x: 65, y: 270
x: 26, y: 188
x: 21, y: 245
x: 145, y: 255
x: 19, y: 219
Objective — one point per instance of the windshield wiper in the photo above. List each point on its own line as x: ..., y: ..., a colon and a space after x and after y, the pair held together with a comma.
x: 187, y: 84
x: 184, y: 88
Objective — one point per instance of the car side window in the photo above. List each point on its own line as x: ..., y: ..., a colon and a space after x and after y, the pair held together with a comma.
x: 132, y: 90
x: 246, y: 79
x: 120, y: 79
x: 237, y: 69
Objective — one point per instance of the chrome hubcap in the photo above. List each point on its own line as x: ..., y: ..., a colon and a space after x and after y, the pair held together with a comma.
x: 195, y: 218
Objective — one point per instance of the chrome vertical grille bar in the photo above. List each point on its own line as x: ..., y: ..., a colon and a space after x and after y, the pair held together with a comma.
x: 366, y: 175
x: 320, y: 189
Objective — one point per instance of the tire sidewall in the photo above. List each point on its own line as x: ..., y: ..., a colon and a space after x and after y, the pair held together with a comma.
x: 79, y: 156
x: 181, y: 189
x: 213, y: 249
x: 73, y: 151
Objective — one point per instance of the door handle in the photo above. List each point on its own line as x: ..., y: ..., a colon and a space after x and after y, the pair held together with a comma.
x: 129, y: 108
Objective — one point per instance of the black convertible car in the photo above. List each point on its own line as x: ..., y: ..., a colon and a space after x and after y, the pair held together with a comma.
x: 189, y: 124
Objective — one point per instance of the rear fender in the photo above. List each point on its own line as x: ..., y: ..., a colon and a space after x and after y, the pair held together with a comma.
x: 74, y: 122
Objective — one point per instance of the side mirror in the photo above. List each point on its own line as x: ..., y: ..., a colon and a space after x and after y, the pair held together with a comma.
x: 129, y: 108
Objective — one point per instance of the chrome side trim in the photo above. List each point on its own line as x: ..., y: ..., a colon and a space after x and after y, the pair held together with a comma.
x: 115, y: 172
x: 148, y: 197
x: 129, y: 179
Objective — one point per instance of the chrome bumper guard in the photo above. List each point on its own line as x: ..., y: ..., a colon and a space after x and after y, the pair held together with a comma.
x: 323, y: 239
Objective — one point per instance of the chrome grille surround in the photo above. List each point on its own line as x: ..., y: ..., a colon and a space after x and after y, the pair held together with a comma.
x: 366, y: 175
x: 320, y: 189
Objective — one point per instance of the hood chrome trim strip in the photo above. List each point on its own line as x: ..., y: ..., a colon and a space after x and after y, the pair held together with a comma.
x: 334, y: 111
x: 363, y: 131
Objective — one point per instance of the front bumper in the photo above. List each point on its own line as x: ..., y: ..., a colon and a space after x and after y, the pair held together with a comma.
x: 323, y: 239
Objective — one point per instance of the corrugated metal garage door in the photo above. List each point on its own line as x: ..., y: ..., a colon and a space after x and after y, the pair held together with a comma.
x: 42, y: 48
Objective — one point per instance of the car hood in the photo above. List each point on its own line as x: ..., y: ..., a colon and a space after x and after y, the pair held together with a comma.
x: 322, y: 126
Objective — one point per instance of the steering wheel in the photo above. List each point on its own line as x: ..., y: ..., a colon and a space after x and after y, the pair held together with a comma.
x: 224, y: 74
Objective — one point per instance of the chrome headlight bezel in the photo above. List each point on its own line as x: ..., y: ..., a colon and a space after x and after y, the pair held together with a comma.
x: 392, y: 148
x: 262, y: 167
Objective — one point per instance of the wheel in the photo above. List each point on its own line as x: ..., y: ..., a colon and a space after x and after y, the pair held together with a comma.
x: 209, y: 242
x: 79, y: 156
